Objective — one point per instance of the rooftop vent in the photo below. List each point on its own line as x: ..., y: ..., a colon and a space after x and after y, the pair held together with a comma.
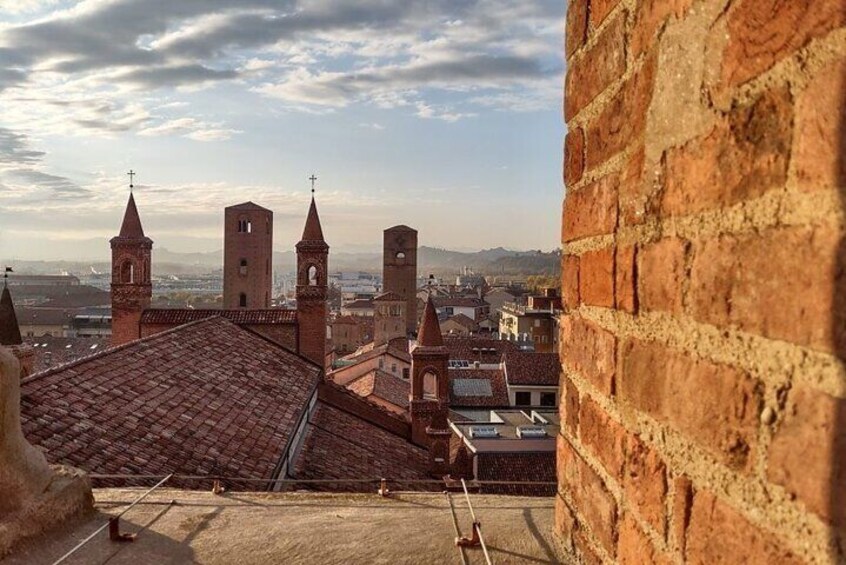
x: 483, y: 432
x: 530, y: 432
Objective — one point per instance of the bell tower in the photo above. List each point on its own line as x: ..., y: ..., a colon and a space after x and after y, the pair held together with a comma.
x: 399, y: 269
x: 312, y: 287
x: 132, y: 289
x: 429, y: 404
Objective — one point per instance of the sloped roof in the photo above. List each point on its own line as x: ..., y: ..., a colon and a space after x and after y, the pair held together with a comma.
x: 464, y: 321
x: 384, y: 385
x: 401, y: 227
x: 131, y: 227
x: 207, y: 397
x: 388, y: 297
x: 247, y: 206
x: 430, y: 329
x: 477, y: 387
x: 10, y: 332
x: 54, y: 351
x: 482, y: 349
x: 529, y: 368
x: 459, y: 302
x: 178, y: 316
x: 312, y: 231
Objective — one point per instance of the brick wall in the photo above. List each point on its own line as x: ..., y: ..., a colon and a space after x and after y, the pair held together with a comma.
x: 702, y: 402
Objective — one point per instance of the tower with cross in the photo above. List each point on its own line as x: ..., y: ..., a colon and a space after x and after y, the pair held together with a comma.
x: 312, y: 286
x: 132, y: 288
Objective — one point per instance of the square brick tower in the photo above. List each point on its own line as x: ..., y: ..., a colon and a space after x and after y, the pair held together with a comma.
x: 399, y: 269
x: 132, y: 288
x: 388, y: 318
x: 247, y: 256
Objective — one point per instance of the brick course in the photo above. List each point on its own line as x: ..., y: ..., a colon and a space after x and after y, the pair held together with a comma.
x: 703, y: 401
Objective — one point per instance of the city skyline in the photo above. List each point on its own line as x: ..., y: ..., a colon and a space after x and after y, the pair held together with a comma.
x: 444, y: 117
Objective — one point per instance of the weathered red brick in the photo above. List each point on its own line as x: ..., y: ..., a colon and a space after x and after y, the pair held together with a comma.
x: 596, y: 277
x: 745, y: 155
x: 633, y: 547
x: 589, y: 350
x: 662, y: 275
x: 807, y: 455
x: 780, y: 295
x: 585, y: 550
x: 720, y: 534
x: 650, y: 15
x: 577, y: 23
x: 570, y: 405
x: 591, y: 210
x: 599, y: 9
x: 565, y: 522
x: 645, y: 483
x: 570, y: 280
x: 819, y: 140
x: 602, y: 436
x: 574, y: 156
x: 763, y: 32
x: 625, y: 279
x: 623, y: 120
x: 593, y: 502
x: 598, y: 67
x: 716, y: 405
x: 682, y: 500
x: 635, y: 186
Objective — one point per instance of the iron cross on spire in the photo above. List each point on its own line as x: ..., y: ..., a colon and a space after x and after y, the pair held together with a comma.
x: 313, y: 179
x: 131, y: 175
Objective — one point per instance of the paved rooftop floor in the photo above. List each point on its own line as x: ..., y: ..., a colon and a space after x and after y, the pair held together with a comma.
x: 247, y: 528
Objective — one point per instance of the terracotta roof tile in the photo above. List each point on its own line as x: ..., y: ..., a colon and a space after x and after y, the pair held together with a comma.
x: 174, y: 316
x: 388, y: 297
x: 131, y: 226
x: 477, y: 387
x: 203, y: 398
x: 312, y: 231
x: 381, y: 384
x: 529, y: 368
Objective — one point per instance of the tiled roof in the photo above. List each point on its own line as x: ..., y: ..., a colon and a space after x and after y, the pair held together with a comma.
x: 54, y: 351
x: 44, y: 316
x: 346, y: 320
x: 369, y: 351
x: 339, y: 445
x: 529, y: 368
x: 488, y: 389
x: 203, y: 398
x: 361, y: 303
x: 388, y: 297
x: 178, y: 316
x: 382, y: 385
x: 484, y: 350
x: 464, y: 321
x: 459, y: 301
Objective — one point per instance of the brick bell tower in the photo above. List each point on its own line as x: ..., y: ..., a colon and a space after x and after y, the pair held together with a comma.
x: 247, y: 256
x: 429, y: 403
x: 399, y: 269
x: 132, y: 289
x: 312, y: 288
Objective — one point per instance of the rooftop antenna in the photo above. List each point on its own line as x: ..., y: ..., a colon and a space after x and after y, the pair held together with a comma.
x: 131, y: 175
x: 6, y: 276
x: 313, y: 179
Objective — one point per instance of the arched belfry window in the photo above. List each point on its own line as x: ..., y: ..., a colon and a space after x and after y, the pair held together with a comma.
x: 127, y: 272
x: 242, y: 300
x: 430, y: 385
x: 400, y: 257
x: 312, y: 276
x: 245, y: 226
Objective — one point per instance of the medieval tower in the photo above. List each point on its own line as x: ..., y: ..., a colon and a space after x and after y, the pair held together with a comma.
x: 312, y: 288
x: 388, y: 318
x: 247, y: 256
x: 132, y: 289
x: 399, y: 269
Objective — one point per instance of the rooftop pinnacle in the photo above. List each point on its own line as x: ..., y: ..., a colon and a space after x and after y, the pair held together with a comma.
x: 430, y: 328
x: 10, y: 333
x: 131, y: 227
x: 313, y: 231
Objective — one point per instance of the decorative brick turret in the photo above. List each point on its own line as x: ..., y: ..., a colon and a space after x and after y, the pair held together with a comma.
x: 132, y: 290
x: 312, y: 288
x: 429, y: 383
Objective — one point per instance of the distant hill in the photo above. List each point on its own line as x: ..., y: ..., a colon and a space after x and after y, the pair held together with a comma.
x: 430, y: 260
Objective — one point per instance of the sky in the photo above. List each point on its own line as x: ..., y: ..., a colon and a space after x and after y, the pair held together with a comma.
x: 441, y: 114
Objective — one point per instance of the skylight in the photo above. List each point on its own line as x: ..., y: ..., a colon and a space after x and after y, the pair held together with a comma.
x: 530, y: 432
x: 484, y: 432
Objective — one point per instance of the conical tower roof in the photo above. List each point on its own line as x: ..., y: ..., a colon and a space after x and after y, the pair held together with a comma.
x: 10, y: 332
x: 131, y: 227
x: 313, y: 231
x: 430, y: 329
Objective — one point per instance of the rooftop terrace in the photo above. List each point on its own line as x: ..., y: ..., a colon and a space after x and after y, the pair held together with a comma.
x: 245, y: 528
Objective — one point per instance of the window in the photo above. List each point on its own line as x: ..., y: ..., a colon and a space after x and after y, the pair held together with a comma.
x: 430, y: 385
x: 242, y: 300
x: 523, y: 398
x: 406, y: 373
x: 312, y: 276
x: 127, y: 272
x: 245, y: 226
x: 547, y: 399
x: 394, y: 368
x: 243, y: 267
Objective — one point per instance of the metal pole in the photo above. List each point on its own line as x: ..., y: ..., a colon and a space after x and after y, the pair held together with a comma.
x: 476, y: 523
